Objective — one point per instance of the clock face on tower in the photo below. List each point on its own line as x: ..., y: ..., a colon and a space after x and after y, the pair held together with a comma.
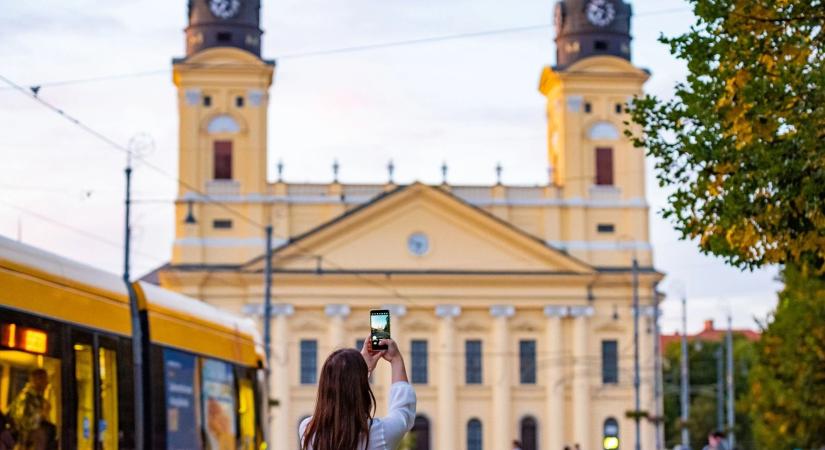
x: 600, y: 12
x: 224, y: 9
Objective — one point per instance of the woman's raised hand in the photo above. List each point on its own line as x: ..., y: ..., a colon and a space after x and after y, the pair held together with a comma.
x: 391, y: 353
x: 370, y: 357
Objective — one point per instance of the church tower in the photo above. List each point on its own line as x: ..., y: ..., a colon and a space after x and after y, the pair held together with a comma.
x: 592, y: 162
x: 223, y: 97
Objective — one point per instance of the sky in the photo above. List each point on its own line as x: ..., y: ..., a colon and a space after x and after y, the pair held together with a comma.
x: 471, y: 103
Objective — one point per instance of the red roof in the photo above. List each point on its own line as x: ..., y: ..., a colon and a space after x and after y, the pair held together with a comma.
x: 708, y: 333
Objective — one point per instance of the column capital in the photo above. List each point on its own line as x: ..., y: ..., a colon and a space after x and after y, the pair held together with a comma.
x: 581, y: 311
x: 337, y: 310
x: 396, y: 310
x: 445, y: 311
x: 278, y: 309
x: 502, y: 311
x: 556, y: 311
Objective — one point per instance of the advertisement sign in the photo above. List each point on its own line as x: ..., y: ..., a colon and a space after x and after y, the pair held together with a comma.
x: 219, y: 405
x: 181, y: 430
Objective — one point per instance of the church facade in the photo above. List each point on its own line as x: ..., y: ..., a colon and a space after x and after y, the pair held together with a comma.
x: 513, y: 305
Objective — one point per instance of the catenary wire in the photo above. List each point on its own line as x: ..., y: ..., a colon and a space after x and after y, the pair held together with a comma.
x: 349, y: 49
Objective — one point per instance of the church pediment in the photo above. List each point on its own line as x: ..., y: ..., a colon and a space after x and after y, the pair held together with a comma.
x: 420, y: 228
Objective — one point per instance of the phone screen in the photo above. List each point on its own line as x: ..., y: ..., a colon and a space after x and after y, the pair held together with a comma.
x: 379, y: 327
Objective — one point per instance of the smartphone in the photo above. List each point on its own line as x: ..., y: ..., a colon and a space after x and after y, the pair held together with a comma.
x: 379, y: 327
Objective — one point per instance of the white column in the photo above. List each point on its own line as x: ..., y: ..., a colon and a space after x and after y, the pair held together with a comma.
x: 283, y: 433
x: 554, y: 389
x: 397, y: 334
x: 582, y: 428
x: 502, y: 380
x: 445, y: 425
x: 336, y: 314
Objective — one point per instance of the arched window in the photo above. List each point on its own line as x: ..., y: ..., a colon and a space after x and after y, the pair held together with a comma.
x: 611, y: 434
x: 421, y: 431
x: 474, y: 435
x: 223, y: 124
x: 603, y: 131
x: 529, y: 434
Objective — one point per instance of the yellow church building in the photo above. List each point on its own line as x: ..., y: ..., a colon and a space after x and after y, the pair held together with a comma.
x: 512, y: 304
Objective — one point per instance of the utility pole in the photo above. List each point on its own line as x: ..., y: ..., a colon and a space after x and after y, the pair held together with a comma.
x: 636, y: 380
x: 268, y: 297
x: 685, y: 380
x: 268, y: 322
x: 657, y: 367
x: 720, y: 388
x: 731, y: 388
x: 137, y: 331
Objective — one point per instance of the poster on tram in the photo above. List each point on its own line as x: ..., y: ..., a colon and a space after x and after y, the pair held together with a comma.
x: 181, y: 430
x: 218, y: 405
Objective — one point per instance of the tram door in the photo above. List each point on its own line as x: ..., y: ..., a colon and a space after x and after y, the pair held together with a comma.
x: 96, y: 389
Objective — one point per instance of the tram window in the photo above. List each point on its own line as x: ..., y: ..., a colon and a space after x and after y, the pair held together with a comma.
x: 108, y: 399
x: 246, y: 412
x: 84, y: 383
x: 220, y: 421
x: 182, y: 425
x: 30, y: 393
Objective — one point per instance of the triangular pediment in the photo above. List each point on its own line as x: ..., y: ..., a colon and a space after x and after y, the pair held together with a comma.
x: 450, y: 236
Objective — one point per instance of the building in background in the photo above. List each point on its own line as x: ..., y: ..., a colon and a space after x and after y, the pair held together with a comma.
x: 709, y: 333
x: 512, y: 304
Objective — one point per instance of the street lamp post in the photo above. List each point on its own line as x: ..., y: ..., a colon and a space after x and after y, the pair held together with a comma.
x: 268, y: 300
x: 731, y: 390
x: 657, y: 367
x: 636, y: 379
x: 684, y: 375
x: 134, y: 310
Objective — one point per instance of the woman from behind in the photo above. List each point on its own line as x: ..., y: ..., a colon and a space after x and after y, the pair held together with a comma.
x: 345, y: 405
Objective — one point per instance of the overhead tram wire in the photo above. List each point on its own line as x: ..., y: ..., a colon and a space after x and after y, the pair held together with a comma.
x: 78, y: 231
x: 125, y: 150
x: 332, y: 51
x: 121, y: 148
x: 30, y: 93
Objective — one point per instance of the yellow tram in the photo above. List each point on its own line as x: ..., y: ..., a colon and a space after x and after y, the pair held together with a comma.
x: 69, y: 323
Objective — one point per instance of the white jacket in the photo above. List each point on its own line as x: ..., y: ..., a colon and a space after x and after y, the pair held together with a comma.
x: 386, y: 433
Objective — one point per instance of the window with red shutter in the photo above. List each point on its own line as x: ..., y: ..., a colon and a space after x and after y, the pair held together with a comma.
x: 604, y: 166
x: 223, y: 160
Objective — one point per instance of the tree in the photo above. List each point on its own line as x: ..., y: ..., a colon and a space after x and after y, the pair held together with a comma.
x: 703, y: 367
x: 742, y: 143
x: 788, y: 379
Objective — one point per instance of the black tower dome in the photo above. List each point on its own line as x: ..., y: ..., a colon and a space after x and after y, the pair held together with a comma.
x: 590, y: 28
x: 224, y: 23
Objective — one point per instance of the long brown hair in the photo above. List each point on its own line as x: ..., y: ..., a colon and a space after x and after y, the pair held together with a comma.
x: 345, y: 404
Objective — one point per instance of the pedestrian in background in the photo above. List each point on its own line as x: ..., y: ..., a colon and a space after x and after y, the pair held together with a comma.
x: 29, y: 414
x: 716, y: 441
